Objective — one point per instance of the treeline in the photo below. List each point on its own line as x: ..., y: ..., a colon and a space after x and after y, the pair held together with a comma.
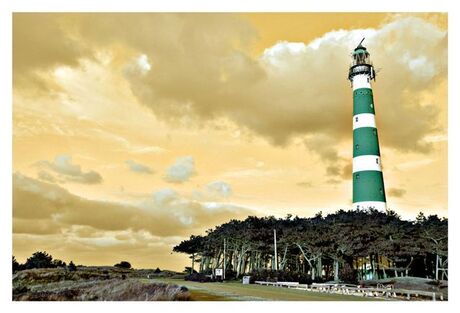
x: 345, y: 245
x: 41, y: 259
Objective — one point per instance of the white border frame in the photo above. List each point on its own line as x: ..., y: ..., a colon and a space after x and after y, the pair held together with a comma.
x: 9, y: 6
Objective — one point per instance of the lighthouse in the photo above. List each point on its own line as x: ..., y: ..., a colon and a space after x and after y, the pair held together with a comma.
x: 368, y: 187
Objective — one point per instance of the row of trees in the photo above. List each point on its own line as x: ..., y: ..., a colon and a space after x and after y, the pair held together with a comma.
x: 41, y: 259
x: 346, y: 245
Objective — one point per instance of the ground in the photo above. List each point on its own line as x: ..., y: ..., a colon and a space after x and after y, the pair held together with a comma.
x: 92, y: 284
x: 115, y: 284
x: 229, y: 291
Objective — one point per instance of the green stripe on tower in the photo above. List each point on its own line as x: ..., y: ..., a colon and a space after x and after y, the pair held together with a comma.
x: 365, y: 141
x: 363, y: 101
x: 368, y: 186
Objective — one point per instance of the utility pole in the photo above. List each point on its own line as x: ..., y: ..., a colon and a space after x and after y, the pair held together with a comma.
x: 225, y: 246
x: 276, y: 253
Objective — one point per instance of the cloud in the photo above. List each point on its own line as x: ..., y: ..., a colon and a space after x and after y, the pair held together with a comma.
x: 214, y: 191
x: 52, y: 209
x: 333, y: 181
x: 45, y: 176
x: 347, y: 170
x: 138, y: 167
x: 414, y: 164
x: 42, y: 42
x: 219, y: 189
x: 181, y: 171
x: 139, y: 65
x: 126, y: 144
x: 396, y: 192
x: 333, y: 170
x: 165, y: 196
x: 305, y: 184
x: 293, y: 90
x: 197, y: 67
x: 39, y: 226
x: 62, y: 165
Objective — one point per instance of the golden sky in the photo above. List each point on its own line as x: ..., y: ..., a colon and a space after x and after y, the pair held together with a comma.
x: 133, y: 131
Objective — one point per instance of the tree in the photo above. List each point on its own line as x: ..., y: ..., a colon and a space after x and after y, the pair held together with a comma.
x: 72, y: 267
x: 341, y: 245
x: 191, y: 246
x: 434, y: 232
x: 39, y: 260
x: 420, y: 219
x: 157, y: 270
x: 16, y: 265
x: 123, y: 264
x: 58, y: 263
x: 189, y: 270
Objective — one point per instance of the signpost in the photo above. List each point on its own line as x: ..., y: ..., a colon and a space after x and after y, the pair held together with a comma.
x: 219, y: 272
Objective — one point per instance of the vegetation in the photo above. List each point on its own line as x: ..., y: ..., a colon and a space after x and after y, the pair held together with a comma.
x: 200, y: 277
x: 38, y: 260
x: 346, y: 245
x: 16, y: 265
x: 236, y: 291
x: 123, y: 264
x: 72, y: 267
x: 92, y: 283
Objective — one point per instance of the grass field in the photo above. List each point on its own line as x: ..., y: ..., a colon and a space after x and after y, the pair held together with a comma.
x: 231, y: 291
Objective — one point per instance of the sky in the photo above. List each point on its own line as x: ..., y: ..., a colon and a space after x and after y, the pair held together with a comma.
x: 132, y: 132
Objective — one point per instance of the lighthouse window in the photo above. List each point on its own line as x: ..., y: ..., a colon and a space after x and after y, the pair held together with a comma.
x: 368, y: 79
x: 377, y: 160
x: 381, y: 191
x: 371, y: 105
x: 357, y: 147
x: 357, y: 176
x: 356, y: 119
x: 375, y: 132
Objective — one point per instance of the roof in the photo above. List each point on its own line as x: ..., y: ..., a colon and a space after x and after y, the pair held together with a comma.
x: 359, y: 50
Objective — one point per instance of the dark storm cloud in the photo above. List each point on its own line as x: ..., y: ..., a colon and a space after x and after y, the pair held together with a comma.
x: 196, y: 66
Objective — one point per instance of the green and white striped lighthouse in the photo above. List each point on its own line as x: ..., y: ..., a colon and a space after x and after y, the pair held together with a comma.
x: 368, y: 187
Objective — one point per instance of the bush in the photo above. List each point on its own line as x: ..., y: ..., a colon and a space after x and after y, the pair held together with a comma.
x: 58, y: 263
x: 348, y: 275
x: 123, y: 264
x: 72, y: 267
x: 199, y: 277
x: 16, y: 265
x: 39, y: 260
x: 188, y: 270
x: 230, y: 274
x: 274, y: 276
x: 157, y: 271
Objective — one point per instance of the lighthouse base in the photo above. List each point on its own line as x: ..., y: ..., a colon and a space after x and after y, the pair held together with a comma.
x: 365, y: 205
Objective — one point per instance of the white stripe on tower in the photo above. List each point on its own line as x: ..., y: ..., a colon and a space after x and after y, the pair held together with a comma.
x: 367, y: 163
x: 378, y: 205
x: 364, y: 162
x: 361, y: 81
x: 364, y: 120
